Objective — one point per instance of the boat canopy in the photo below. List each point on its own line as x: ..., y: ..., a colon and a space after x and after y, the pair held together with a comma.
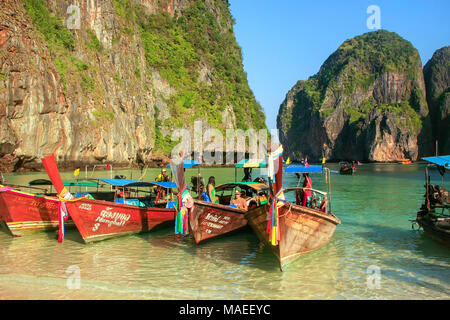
x: 303, y: 169
x: 190, y: 163
x: 243, y: 185
x: 152, y: 184
x: 118, y: 182
x: 250, y: 163
x: 67, y: 183
x: 443, y: 161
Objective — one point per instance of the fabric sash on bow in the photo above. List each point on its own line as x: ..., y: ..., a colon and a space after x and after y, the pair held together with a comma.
x: 181, y: 219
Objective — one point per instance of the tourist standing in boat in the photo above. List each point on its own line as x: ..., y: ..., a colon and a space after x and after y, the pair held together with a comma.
x: 238, y: 201
x: 307, y: 194
x: 211, y: 189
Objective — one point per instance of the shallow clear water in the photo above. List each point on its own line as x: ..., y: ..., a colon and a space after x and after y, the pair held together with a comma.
x: 374, y: 205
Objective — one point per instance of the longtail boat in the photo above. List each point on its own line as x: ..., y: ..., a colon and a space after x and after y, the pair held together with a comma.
x: 206, y: 220
x: 112, y: 216
x: 434, y: 216
x: 209, y: 220
x: 293, y: 229
x: 25, y: 209
x: 346, y: 168
x: 22, y: 212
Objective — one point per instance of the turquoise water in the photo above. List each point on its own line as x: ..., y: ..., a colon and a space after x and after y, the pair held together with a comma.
x: 374, y: 206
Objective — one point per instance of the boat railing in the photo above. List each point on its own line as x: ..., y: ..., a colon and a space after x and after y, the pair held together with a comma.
x: 317, y: 198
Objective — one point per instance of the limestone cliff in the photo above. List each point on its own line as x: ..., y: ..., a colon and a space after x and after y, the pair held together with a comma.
x: 437, y: 81
x: 367, y: 102
x: 112, y: 89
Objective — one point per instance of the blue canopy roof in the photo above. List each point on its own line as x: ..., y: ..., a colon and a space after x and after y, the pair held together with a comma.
x: 190, y: 163
x: 119, y: 182
x: 302, y: 169
x: 443, y: 161
x: 246, y: 163
x: 152, y: 184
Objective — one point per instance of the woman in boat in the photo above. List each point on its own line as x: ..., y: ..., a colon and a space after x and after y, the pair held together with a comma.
x: 238, y: 201
x: 211, y: 190
x: 307, y: 194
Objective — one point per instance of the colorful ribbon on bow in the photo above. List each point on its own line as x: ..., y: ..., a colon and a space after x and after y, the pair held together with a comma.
x: 181, y: 218
x: 273, y: 228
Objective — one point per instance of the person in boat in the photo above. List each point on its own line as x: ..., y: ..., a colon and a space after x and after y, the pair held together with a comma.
x: 160, y: 191
x: 262, y: 198
x: 324, y: 205
x: 211, y: 190
x: 238, y: 201
x: 247, y: 175
x: 307, y: 194
x: 353, y: 166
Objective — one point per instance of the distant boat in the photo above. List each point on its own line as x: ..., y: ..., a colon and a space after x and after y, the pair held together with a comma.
x: 405, y: 161
x: 434, y: 215
x: 346, y: 168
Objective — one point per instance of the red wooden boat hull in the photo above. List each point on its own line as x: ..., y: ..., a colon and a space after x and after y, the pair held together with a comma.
x: 98, y: 220
x: 210, y: 220
x: 22, y: 212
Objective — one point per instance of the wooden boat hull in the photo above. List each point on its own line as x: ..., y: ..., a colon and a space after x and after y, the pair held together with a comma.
x: 210, y: 220
x: 432, y: 229
x: 302, y: 230
x: 99, y: 220
x: 22, y: 213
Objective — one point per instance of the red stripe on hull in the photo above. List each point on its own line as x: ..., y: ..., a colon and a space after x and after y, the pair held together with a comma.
x: 98, y: 220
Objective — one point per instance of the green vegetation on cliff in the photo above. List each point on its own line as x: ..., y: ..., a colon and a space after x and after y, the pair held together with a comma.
x: 180, y: 47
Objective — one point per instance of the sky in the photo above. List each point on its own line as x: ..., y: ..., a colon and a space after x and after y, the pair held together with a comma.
x: 285, y: 41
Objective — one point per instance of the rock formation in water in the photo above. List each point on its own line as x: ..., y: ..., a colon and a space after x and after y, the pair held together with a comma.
x: 437, y: 81
x: 367, y: 103
x: 113, y: 89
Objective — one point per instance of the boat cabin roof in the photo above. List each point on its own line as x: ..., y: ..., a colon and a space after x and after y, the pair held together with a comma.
x: 250, y: 163
x: 297, y: 168
x: 443, y: 161
x: 67, y: 183
x: 190, y: 163
x: 256, y: 186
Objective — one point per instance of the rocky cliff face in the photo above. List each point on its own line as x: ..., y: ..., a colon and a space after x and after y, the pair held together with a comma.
x: 113, y: 89
x: 437, y: 80
x: 367, y: 102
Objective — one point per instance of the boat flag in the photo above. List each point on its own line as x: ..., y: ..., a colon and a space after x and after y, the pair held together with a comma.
x: 288, y: 161
x: 108, y: 166
x: 324, y: 160
x: 76, y: 172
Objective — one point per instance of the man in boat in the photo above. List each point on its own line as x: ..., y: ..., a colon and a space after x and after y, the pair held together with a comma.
x: 307, y: 194
x: 247, y: 175
x: 160, y: 191
x: 238, y: 201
